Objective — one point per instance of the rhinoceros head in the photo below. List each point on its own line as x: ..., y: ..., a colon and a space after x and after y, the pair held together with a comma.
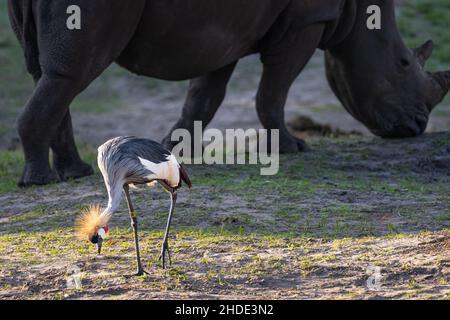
x: 380, y: 81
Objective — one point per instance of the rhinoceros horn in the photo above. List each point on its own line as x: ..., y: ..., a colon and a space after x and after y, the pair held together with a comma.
x: 424, y: 52
x: 440, y: 87
x: 443, y: 78
x: 440, y: 80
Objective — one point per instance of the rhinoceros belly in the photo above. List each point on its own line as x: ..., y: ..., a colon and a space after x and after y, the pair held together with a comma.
x: 178, y: 39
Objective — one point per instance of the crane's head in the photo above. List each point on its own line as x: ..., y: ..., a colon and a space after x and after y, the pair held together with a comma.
x: 92, y: 225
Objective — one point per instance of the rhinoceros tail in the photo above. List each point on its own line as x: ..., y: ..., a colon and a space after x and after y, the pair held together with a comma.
x: 24, y: 26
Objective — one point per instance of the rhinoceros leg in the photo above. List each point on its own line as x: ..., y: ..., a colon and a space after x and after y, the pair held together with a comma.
x: 280, y: 71
x: 69, y: 60
x: 205, y: 96
x: 39, y: 122
x: 66, y: 160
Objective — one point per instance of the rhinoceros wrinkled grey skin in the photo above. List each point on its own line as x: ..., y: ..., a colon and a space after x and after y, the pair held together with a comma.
x: 379, y: 81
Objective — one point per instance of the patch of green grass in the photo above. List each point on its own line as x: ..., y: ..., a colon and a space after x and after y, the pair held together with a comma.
x: 421, y: 20
x: 276, y: 204
x: 11, y: 163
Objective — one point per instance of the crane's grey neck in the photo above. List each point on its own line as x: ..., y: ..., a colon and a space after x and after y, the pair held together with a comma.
x: 115, y: 196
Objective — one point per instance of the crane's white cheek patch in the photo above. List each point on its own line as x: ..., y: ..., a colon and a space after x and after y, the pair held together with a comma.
x: 102, y: 233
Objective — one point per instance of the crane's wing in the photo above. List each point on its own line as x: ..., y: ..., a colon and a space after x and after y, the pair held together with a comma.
x: 147, y: 149
x: 156, y: 153
x: 118, y: 159
x: 138, y: 161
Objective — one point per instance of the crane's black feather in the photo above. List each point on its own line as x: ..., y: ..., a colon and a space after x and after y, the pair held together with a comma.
x: 184, y: 176
x: 147, y: 149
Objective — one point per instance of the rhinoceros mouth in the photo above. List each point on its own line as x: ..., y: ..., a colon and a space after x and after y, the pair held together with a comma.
x: 407, y: 126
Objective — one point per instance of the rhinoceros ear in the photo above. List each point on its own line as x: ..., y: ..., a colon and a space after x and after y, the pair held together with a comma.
x: 424, y: 52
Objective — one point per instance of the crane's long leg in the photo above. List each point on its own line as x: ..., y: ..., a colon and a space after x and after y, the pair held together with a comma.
x: 165, y: 245
x: 140, y: 270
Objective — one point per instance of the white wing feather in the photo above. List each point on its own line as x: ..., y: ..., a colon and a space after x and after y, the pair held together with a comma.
x: 168, y: 170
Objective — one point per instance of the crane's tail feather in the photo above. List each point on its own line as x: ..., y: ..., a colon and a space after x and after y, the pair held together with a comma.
x: 89, y: 221
x: 185, y: 177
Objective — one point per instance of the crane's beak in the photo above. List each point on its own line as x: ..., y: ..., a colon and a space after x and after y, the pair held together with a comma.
x: 99, y: 245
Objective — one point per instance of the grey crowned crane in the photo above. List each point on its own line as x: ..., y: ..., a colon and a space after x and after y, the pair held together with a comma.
x: 126, y: 161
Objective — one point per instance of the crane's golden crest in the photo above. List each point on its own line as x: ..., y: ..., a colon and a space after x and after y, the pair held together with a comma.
x: 89, y: 221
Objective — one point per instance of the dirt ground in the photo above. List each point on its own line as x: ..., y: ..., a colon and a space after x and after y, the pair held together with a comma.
x: 323, y: 228
x: 410, y: 267
x: 320, y: 229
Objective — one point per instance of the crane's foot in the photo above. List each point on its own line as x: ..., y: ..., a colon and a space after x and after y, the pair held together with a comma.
x: 162, y: 257
x: 139, y: 273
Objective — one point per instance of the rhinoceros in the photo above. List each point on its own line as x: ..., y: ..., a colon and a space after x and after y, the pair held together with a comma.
x: 377, y: 78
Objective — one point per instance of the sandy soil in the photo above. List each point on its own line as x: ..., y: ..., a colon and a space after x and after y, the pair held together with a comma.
x: 410, y: 267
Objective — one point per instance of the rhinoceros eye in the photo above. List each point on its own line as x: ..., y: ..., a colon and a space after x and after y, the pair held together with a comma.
x: 405, y: 63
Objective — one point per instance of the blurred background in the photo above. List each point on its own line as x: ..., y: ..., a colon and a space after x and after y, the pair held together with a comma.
x: 312, y: 108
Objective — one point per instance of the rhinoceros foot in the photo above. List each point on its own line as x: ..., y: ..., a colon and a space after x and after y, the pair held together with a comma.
x: 67, y: 171
x: 35, y: 175
x: 292, y: 145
